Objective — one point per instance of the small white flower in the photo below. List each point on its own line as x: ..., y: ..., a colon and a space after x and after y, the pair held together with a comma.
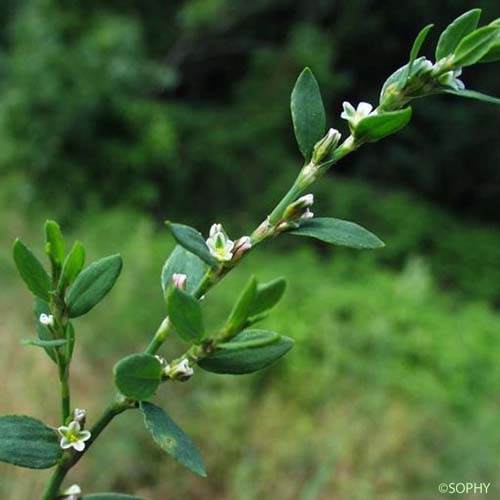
x: 183, y: 368
x: 220, y: 246
x: 179, y: 280
x: 297, y: 209
x: 180, y: 371
x: 46, y: 319
x: 451, y: 79
x: 72, y: 493
x: 307, y: 214
x: 354, y: 116
x: 73, y: 436
x: 79, y: 415
x: 306, y: 201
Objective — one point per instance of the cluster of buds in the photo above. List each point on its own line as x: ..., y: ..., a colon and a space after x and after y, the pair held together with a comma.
x: 179, y: 371
x: 72, y: 435
x: 299, y: 209
x: 325, y: 146
x: 46, y: 319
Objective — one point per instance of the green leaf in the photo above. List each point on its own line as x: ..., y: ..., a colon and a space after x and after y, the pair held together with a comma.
x: 268, y: 347
x: 170, y: 438
x: 192, y: 240
x: 31, y: 271
x: 41, y: 307
x: 376, y: 127
x: 308, y: 113
x: 73, y: 264
x: 138, y: 376
x: 493, y: 54
x: 44, y: 343
x: 183, y: 262
x: 475, y: 46
x: 27, y: 442
x: 242, y: 307
x: 455, y: 32
x: 110, y: 496
x: 417, y: 45
x: 267, y: 296
x: 56, y: 248
x: 92, y: 285
x: 338, y: 232
x: 472, y: 94
x: 186, y: 315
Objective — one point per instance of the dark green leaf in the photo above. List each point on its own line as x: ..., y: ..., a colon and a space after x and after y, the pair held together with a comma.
x: 192, y: 240
x: 338, y: 232
x: 308, y: 113
x: 41, y: 307
x: 186, y: 315
x: 455, y: 32
x: 248, y: 359
x: 56, y: 248
x: 472, y: 94
x: 242, y: 307
x: 110, y: 496
x: 183, y: 262
x: 44, y: 343
x: 73, y: 264
x: 27, y: 442
x: 267, y: 296
x: 92, y: 285
x: 31, y: 271
x: 417, y: 45
x: 475, y: 46
x: 170, y: 438
x: 138, y: 376
x: 377, y: 126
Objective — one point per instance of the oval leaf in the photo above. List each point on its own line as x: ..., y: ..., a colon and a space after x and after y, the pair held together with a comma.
x: 73, y: 264
x: 417, y: 45
x: 170, y: 438
x: 54, y: 240
x: 183, y: 262
x: 27, y: 442
x: 338, y: 232
x: 267, y: 296
x: 186, y: 315
x: 308, y: 113
x: 242, y: 307
x: 93, y: 284
x: 192, y: 240
x: 376, y: 127
x: 455, y: 32
x: 138, y: 376
x: 493, y: 55
x: 475, y: 45
x: 31, y: 271
x: 248, y: 359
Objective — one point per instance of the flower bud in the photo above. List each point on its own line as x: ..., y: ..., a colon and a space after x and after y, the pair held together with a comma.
x: 296, y: 209
x: 179, y: 280
x: 79, y: 416
x: 241, y: 246
x: 326, y: 145
x: 181, y: 371
x: 46, y: 319
x: 72, y: 493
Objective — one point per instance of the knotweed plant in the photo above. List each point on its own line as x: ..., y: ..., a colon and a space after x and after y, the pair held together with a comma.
x: 198, y: 263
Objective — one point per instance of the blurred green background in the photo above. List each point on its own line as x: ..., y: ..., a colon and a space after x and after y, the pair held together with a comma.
x: 117, y: 115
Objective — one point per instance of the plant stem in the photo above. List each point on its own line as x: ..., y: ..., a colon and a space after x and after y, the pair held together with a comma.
x: 52, y: 489
x: 159, y: 337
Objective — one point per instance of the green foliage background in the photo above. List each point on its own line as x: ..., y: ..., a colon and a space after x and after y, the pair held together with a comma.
x: 117, y: 115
